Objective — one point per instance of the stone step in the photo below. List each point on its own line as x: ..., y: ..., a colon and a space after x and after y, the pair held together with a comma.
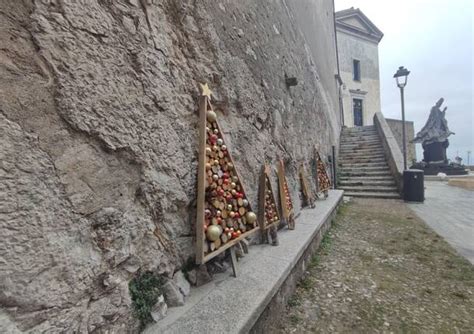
x: 368, y: 168
x: 366, y: 178
x: 360, y: 142
x: 360, y: 157
x: 364, y: 169
x: 361, y: 145
x: 393, y: 195
x: 360, y: 138
x: 358, y: 183
x: 363, y: 164
x: 360, y: 160
x: 372, y: 189
x: 365, y: 174
x: 362, y: 151
x: 345, y: 132
x: 359, y: 128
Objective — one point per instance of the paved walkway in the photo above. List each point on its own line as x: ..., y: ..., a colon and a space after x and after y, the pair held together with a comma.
x: 450, y: 212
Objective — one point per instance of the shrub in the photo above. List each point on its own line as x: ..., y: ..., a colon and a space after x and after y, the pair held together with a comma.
x: 144, y: 291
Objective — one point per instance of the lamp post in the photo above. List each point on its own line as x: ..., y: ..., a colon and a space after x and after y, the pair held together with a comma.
x: 401, y: 76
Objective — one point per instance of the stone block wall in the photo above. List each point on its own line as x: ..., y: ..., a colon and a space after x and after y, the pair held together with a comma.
x: 98, y: 139
x: 396, y: 127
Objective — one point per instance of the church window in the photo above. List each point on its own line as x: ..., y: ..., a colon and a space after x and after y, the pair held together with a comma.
x: 356, y: 69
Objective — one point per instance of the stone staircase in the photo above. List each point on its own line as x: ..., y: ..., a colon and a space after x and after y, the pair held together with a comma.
x: 364, y: 172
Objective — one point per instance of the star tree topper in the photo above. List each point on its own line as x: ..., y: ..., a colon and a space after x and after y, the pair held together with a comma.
x: 205, y: 91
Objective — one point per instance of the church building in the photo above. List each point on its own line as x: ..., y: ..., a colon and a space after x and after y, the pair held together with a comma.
x: 357, y: 42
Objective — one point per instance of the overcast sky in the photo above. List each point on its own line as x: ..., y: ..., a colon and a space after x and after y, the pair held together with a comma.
x: 434, y: 40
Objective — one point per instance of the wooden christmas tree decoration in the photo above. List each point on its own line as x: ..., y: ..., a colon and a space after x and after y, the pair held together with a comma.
x: 268, y: 216
x: 308, y: 199
x: 285, y: 198
x: 322, y: 179
x: 224, y: 214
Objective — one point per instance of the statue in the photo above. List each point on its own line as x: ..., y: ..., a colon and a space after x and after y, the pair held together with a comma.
x: 434, y: 135
x: 434, y: 140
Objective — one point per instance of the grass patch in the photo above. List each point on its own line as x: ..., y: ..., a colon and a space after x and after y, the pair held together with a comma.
x: 294, y: 319
x: 326, y: 242
x: 306, y: 283
x: 144, y: 291
x: 294, y: 301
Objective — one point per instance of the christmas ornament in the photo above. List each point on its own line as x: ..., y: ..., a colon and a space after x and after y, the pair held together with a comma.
x: 211, y: 116
x: 250, y: 217
x: 213, y: 232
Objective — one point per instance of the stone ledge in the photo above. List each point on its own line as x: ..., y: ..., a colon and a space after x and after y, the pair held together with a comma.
x: 234, y: 305
x: 448, y: 177
x: 393, y: 152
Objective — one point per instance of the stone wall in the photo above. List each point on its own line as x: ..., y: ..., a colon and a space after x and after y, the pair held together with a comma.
x: 99, y: 140
x: 396, y: 127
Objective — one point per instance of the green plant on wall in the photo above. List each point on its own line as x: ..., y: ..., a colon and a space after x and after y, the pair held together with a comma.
x: 144, y: 291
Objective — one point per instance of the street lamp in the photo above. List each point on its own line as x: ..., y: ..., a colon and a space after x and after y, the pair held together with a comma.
x: 401, y: 76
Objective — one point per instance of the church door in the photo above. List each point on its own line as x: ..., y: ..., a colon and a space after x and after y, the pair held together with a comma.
x: 357, y: 106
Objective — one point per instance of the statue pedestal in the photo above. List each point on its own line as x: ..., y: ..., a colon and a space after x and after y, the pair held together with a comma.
x: 435, y: 152
x: 435, y: 161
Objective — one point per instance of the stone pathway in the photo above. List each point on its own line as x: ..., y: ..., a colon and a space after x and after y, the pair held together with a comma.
x: 449, y: 211
x: 382, y: 270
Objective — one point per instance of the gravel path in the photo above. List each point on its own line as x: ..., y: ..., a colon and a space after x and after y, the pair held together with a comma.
x: 381, y: 269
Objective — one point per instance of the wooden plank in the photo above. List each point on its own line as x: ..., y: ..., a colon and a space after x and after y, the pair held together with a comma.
x: 281, y: 184
x: 233, y: 261
x: 261, y: 203
x: 201, y: 182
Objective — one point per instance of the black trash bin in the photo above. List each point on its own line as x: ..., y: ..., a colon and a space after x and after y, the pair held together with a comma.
x: 413, y: 185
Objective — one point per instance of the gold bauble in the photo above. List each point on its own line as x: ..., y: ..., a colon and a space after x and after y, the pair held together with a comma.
x: 211, y: 116
x: 213, y: 232
x: 250, y: 217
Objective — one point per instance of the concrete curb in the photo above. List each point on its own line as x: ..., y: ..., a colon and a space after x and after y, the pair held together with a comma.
x: 235, y: 305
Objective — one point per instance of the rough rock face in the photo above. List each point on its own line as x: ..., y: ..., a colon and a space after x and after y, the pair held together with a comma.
x: 98, y: 140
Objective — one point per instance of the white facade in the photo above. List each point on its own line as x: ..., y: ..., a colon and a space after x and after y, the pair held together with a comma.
x: 357, y: 42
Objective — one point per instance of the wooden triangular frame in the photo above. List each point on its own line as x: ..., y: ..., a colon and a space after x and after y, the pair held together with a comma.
x: 268, y: 218
x: 308, y: 198
x: 285, y: 197
x: 322, y: 178
x: 212, y: 201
